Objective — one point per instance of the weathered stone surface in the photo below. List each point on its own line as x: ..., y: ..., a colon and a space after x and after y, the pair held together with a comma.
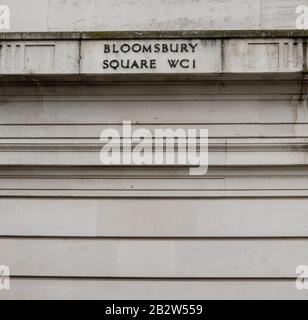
x: 263, y: 55
x: 98, y: 15
x: 67, y: 223
x: 39, y: 57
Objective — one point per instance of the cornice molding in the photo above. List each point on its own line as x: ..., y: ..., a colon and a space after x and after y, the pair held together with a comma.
x: 176, y: 34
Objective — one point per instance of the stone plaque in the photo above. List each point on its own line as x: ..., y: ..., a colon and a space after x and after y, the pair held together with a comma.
x: 151, y: 56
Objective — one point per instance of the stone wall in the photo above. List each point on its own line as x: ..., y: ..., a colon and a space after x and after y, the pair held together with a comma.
x: 123, y: 15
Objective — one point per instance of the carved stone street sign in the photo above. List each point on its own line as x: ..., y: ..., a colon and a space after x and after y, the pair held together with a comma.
x: 151, y: 56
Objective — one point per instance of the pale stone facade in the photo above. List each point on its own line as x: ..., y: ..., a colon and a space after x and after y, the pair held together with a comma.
x: 123, y: 15
x: 71, y: 228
